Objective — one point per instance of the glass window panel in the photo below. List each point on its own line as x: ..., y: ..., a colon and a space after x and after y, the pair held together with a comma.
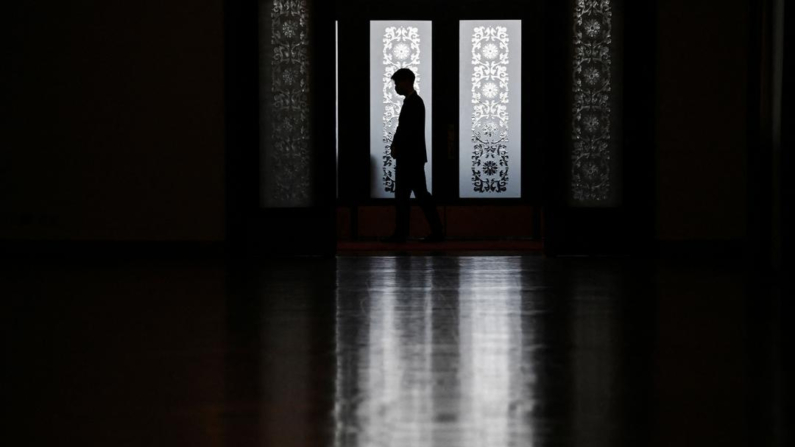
x: 490, y: 92
x: 395, y: 45
x: 594, y: 114
x: 285, y: 125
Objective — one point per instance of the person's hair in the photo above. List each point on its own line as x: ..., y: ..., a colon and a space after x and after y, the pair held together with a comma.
x: 404, y: 74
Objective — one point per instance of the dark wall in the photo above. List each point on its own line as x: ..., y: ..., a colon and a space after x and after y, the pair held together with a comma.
x: 701, y: 119
x: 113, y: 121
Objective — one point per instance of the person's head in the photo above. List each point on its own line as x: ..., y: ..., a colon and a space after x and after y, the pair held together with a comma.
x: 404, y: 81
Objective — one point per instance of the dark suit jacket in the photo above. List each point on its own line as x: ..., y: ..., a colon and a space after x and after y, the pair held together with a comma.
x: 409, y: 139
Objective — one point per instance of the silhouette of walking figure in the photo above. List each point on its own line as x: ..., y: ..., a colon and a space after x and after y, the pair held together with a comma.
x: 408, y: 150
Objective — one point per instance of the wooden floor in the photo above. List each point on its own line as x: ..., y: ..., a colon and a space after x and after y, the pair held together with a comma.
x: 402, y: 351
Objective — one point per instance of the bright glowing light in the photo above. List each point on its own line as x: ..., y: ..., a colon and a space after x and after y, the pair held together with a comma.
x: 490, y: 157
x: 395, y: 45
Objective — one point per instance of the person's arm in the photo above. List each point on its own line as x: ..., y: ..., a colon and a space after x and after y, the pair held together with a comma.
x: 410, y: 132
x: 403, y: 132
x: 394, y: 149
x: 412, y: 127
x: 418, y: 124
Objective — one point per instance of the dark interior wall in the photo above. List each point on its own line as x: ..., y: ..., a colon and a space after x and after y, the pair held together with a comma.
x: 113, y: 121
x: 701, y: 123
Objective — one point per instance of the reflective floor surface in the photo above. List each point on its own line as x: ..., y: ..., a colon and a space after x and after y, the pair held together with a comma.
x: 418, y: 351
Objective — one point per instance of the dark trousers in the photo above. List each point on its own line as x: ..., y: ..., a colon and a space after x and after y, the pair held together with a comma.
x: 411, y: 177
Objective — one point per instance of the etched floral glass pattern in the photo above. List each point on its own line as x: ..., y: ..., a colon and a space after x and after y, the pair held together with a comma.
x: 592, y: 93
x: 401, y: 50
x: 396, y: 45
x: 490, y: 96
x: 490, y: 109
x: 284, y: 104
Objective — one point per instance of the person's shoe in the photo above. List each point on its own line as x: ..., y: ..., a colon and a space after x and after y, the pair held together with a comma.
x: 394, y: 239
x: 433, y: 238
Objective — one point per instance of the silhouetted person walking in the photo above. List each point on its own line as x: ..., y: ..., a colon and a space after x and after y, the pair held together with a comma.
x: 408, y: 150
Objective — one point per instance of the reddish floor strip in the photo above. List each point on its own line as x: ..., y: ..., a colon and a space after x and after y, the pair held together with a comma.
x: 446, y: 246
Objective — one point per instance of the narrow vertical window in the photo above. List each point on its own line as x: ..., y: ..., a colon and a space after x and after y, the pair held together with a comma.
x: 490, y: 94
x: 592, y: 111
x: 395, y: 45
x: 285, y: 125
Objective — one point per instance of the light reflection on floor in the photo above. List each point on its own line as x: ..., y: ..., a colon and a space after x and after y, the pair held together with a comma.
x: 421, y: 363
x: 386, y: 351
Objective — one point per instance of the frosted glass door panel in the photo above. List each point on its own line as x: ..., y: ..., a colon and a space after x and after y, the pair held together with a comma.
x: 395, y: 45
x: 490, y: 92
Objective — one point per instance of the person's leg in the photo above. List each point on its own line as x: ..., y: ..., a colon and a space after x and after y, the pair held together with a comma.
x: 402, y: 195
x: 425, y: 200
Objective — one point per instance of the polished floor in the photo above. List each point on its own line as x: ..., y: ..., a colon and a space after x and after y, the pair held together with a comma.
x: 418, y: 351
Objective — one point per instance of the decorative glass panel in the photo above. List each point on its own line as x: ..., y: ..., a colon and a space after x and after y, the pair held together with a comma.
x: 285, y: 127
x: 395, y: 45
x: 592, y: 137
x: 490, y: 92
